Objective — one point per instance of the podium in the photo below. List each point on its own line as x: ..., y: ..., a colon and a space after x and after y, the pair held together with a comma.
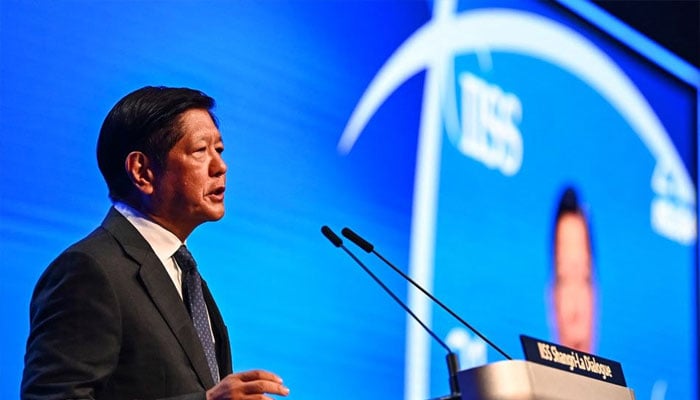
x: 525, y: 380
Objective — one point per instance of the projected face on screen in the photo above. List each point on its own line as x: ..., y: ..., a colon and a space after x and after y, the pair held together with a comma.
x: 573, y: 291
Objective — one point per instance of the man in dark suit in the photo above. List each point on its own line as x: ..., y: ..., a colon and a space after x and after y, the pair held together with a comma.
x: 123, y: 313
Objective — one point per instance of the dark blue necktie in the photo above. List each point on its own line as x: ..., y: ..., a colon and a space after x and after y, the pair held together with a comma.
x: 192, y: 285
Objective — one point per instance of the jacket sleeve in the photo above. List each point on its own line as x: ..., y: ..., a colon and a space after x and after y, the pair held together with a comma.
x: 75, y: 332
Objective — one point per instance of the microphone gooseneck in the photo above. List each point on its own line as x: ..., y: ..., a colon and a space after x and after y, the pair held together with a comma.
x: 369, y: 248
x: 452, y: 359
x: 338, y: 242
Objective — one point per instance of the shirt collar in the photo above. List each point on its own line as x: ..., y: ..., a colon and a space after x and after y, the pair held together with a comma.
x: 163, y: 242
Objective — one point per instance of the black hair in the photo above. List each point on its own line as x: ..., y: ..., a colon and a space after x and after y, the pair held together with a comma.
x: 145, y: 120
x: 569, y: 203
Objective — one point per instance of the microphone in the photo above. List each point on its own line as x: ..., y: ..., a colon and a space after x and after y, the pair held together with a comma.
x: 369, y: 248
x: 452, y: 360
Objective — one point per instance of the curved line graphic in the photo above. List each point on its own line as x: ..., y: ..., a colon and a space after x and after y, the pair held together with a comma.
x: 407, y: 60
x: 532, y: 35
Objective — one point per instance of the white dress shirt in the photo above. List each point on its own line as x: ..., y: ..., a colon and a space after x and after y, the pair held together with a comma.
x: 163, y: 242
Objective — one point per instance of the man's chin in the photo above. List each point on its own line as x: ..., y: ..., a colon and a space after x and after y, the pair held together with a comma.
x: 210, y: 214
x: 218, y: 214
x: 215, y: 217
x: 580, y: 345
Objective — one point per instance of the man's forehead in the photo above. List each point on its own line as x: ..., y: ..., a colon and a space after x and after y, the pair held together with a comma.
x: 198, y: 124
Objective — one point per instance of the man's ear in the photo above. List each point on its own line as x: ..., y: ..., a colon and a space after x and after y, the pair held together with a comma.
x: 140, y: 170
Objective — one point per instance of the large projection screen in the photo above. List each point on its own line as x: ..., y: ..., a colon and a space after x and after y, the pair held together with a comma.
x: 445, y: 132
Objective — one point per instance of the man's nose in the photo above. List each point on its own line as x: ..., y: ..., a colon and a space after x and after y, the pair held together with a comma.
x: 218, y: 165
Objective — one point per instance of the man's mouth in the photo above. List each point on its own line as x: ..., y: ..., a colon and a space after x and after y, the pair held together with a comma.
x: 218, y: 193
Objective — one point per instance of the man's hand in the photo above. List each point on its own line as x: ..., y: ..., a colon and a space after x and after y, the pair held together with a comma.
x: 250, y: 385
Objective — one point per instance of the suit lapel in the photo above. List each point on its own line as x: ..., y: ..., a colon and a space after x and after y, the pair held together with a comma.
x: 161, y: 290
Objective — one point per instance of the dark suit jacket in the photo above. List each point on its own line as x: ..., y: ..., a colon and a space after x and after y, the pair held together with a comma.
x: 108, y: 323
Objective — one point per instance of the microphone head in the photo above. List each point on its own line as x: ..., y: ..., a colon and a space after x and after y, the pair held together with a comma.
x: 330, y: 235
x: 355, y: 238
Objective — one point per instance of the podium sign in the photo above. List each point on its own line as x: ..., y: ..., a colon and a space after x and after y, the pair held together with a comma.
x: 575, y: 361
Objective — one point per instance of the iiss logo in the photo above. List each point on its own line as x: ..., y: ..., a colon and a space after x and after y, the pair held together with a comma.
x: 488, y: 131
x: 486, y: 128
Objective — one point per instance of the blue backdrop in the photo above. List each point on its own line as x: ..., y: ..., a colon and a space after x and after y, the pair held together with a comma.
x: 442, y: 132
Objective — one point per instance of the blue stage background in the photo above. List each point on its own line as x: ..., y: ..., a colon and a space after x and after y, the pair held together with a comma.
x: 287, y: 77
